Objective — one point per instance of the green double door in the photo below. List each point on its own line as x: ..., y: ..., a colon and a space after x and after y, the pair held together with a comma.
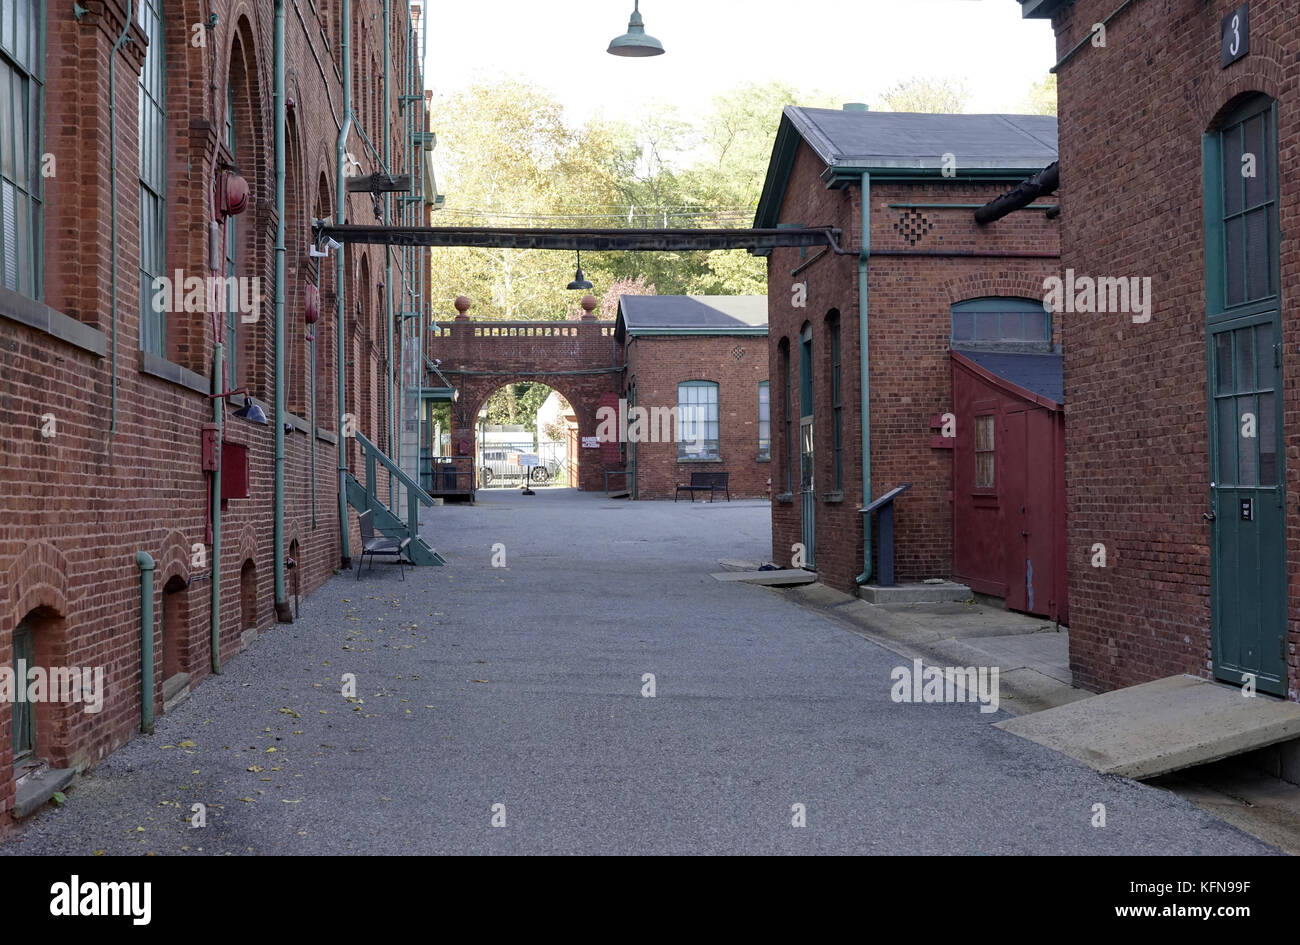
x: 1248, y: 580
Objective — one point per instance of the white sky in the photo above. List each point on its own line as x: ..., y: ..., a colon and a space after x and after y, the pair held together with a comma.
x: 853, y: 49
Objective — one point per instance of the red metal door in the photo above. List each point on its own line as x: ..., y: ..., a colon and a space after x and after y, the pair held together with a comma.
x: 1030, y: 510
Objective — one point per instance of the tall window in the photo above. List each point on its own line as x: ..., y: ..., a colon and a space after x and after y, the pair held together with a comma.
x: 24, y: 719
x: 153, y: 178
x: 984, y: 453
x: 22, y: 67
x: 999, y: 322
x: 764, y: 420
x: 232, y: 253
x: 697, y: 420
x: 837, y: 411
x: 1248, y: 233
x: 788, y: 432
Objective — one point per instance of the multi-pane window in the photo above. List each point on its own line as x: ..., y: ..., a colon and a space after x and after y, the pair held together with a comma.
x: 697, y: 420
x: 1248, y: 148
x: 764, y: 420
x: 24, y: 720
x: 22, y: 60
x: 995, y: 321
x: 984, y: 452
x: 153, y: 178
x: 837, y: 407
x: 789, y: 423
x: 1245, y: 406
x: 232, y: 253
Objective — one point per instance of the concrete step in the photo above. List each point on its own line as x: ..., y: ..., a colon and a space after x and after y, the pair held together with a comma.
x: 1162, y: 726
x: 921, y: 593
x: 786, y: 578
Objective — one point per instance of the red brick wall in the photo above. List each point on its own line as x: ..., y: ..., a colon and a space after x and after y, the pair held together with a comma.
x: 657, y: 364
x: 1137, y: 463
x: 75, y: 507
x: 910, y: 298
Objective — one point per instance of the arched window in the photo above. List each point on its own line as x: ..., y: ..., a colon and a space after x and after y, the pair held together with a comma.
x: 22, y: 67
x: 697, y: 420
x: 837, y: 402
x: 153, y: 179
x: 1001, y: 323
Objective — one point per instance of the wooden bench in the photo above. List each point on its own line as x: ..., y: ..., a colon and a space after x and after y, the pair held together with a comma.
x: 705, y: 481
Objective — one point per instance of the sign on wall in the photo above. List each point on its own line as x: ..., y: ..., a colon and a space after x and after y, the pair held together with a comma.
x: 590, y: 443
x: 1234, y: 38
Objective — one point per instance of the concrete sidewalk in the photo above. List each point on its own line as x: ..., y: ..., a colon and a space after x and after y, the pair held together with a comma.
x: 1032, y: 654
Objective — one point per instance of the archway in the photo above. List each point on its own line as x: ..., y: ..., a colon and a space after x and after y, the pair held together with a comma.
x: 521, y: 419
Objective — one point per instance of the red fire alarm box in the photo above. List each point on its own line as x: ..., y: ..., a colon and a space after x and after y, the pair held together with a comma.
x: 234, y: 470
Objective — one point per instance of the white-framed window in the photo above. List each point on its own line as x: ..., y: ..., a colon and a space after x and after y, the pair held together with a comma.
x: 764, y: 420
x: 697, y: 420
x: 153, y: 177
x: 22, y: 68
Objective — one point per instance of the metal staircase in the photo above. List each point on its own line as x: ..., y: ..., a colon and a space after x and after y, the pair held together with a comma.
x: 362, y: 497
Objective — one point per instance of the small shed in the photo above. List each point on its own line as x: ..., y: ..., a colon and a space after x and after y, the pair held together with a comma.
x: 1009, y: 478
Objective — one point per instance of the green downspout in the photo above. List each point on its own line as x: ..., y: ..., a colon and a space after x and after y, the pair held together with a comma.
x: 864, y: 370
x: 340, y: 208
x: 112, y: 187
x: 218, y: 418
x: 144, y: 561
x: 282, y: 611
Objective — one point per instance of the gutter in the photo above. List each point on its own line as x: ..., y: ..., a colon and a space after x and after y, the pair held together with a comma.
x: 864, y: 371
x: 144, y: 561
x: 340, y: 208
x: 282, y: 611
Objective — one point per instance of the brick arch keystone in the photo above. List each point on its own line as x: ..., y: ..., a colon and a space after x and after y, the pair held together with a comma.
x: 37, y: 578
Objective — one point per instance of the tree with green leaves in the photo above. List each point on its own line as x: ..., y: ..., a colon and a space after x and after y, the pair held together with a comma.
x: 941, y: 96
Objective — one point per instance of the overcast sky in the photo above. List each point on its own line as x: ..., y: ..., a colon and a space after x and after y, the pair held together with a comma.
x: 854, y: 49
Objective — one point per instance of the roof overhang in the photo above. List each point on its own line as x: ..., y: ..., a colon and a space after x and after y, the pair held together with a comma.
x: 1041, y: 9
x: 997, y: 380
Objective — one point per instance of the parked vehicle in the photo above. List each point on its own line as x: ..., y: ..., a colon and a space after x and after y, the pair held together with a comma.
x: 497, y: 465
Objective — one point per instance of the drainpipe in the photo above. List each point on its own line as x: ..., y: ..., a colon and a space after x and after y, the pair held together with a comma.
x: 864, y: 370
x: 282, y: 611
x: 144, y: 561
x: 218, y: 418
x: 340, y: 208
x: 112, y: 187
x: 388, y: 250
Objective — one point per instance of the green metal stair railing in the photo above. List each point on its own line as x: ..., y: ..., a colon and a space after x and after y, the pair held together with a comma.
x: 365, y: 497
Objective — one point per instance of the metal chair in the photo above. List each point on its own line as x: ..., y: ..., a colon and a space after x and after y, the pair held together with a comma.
x: 372, y: 544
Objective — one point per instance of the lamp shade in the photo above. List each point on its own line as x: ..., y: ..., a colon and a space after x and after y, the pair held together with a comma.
x: 635, y: 42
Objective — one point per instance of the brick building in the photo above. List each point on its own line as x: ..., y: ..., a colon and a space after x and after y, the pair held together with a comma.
x: 1181, y: 435
x: 706, y: 356
x: 126, y: 129
x: 903, y: 289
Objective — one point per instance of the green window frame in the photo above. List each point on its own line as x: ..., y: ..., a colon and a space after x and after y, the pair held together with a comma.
x: 994, y: 321
x: 22, y: 73
x: 24, y: 719
x: 1241, y: 211
x: 697, y: 420
x: 153, y: 177
x: 837, y: 405
x: 787, y: 399
x: 764, y: 420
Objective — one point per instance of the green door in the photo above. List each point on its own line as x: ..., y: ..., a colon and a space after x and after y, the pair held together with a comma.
x: 807, y: 481
x: 1247, y: 503
x: 1247, y: 508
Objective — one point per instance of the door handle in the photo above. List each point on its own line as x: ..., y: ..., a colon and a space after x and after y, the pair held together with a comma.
x: 1208, y: 516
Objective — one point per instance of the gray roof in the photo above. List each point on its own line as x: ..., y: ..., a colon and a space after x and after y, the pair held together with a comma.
x: 692, y: 314
x: 866, y: 139
x: 1039, y: 374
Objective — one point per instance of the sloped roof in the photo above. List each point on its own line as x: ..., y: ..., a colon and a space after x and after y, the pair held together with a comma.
x: 852, y: 141
x: 691, y: 314
x: 1040, y: 374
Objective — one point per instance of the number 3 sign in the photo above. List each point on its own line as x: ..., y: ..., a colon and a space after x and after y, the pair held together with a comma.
x: 1235, y: 35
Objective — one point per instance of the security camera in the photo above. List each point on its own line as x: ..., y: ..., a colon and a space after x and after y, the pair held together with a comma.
x: 331, y: 243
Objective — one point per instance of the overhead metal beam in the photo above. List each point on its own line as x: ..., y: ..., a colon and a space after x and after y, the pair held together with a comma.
x: 631, y: 240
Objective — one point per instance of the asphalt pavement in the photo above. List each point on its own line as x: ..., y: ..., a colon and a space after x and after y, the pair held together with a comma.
x: 507, y: 709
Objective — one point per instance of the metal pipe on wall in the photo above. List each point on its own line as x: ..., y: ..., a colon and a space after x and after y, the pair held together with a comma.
x: 144, y: 561
x: 864, y: 370
x: 282, y: 611
x: 340, y: 208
